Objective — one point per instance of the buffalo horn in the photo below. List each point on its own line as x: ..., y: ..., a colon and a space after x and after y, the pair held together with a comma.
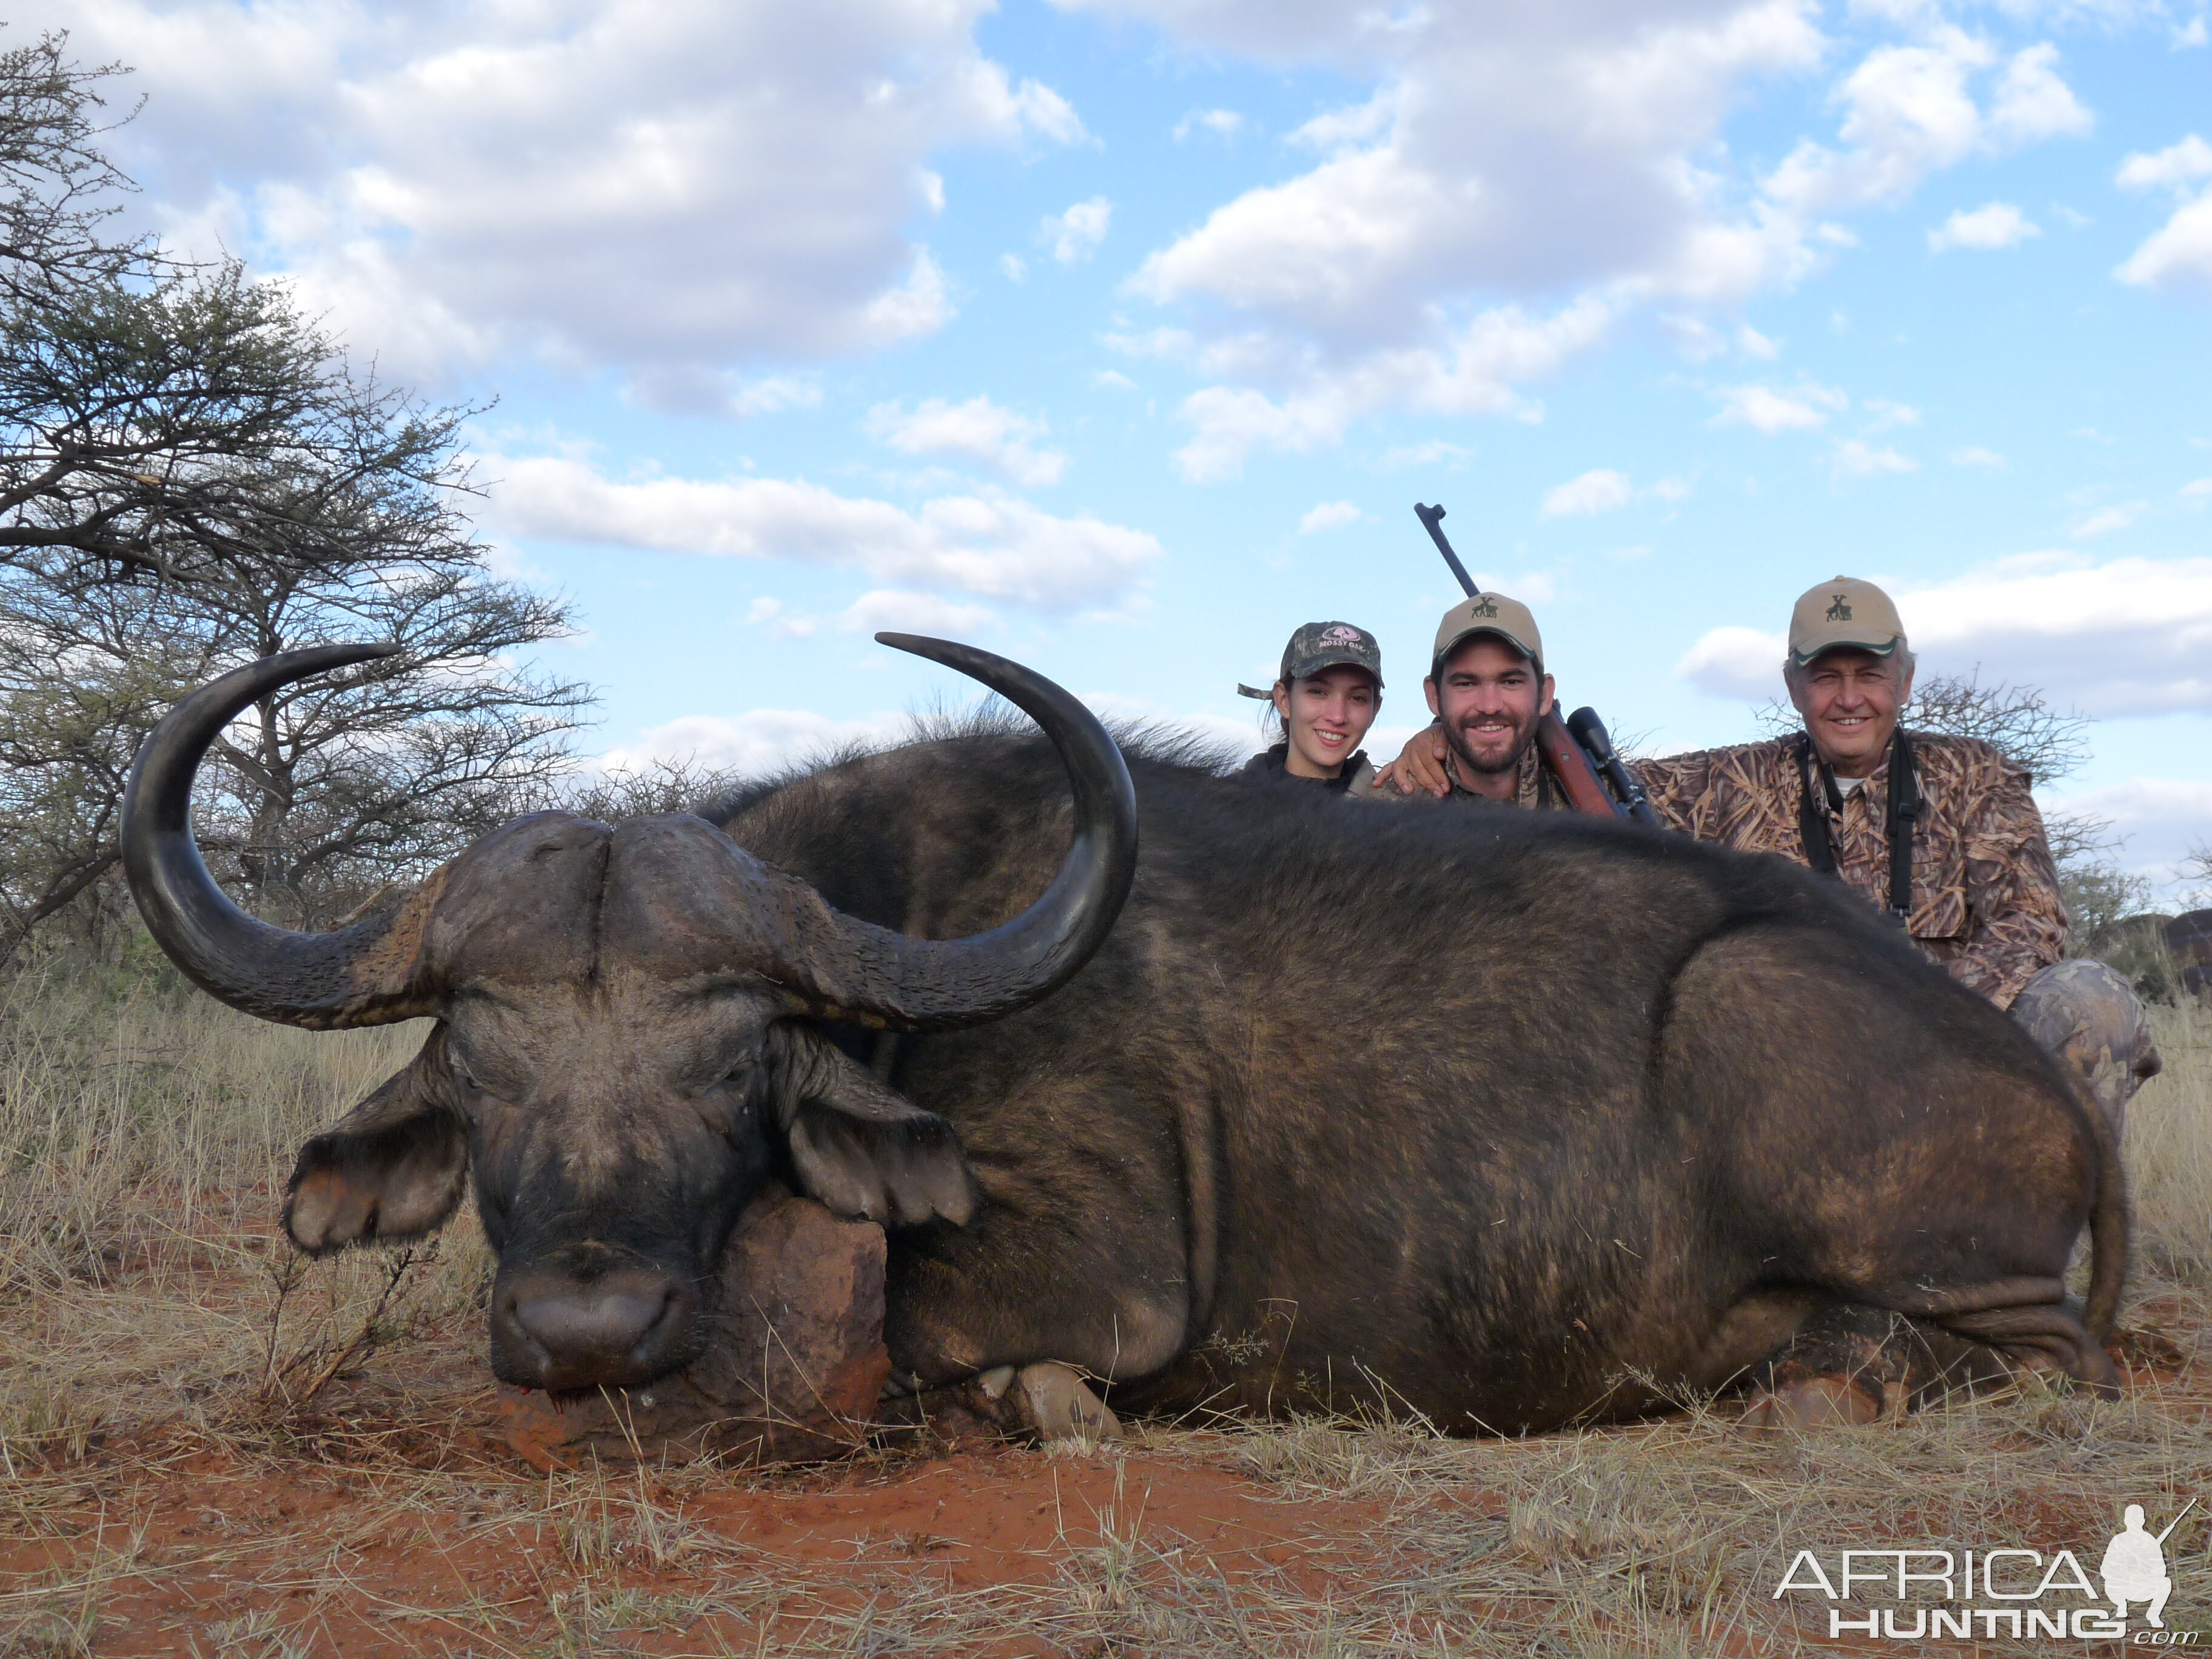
x: 361, y: 975
x: 851, y: 969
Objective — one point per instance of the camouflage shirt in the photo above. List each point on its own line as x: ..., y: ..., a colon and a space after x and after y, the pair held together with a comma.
x: 1985, y: 902
x: 1533, y: 787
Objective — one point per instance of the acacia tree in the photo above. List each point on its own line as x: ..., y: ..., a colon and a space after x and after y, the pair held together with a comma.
x: 191, y: 474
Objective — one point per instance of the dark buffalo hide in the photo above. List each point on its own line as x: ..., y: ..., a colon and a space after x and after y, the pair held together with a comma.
x: 1482, y: 1113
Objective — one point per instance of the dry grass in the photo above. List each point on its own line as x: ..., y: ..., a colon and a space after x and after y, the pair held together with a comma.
x: 209, y: 1446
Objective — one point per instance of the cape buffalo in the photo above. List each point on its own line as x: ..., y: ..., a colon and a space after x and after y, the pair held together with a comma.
x: 1505, y: 1118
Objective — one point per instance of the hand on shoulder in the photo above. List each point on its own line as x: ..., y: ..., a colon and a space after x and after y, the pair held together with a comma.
x: 1420, y: 766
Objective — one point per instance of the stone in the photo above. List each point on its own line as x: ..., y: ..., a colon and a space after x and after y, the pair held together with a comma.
x: 791, y: 1372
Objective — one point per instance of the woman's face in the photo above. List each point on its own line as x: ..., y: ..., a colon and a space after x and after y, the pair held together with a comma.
x: 1325, y: 716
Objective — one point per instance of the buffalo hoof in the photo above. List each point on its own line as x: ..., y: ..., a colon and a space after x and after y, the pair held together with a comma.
x: 1813, y: 1402
x: 1055, y: 1403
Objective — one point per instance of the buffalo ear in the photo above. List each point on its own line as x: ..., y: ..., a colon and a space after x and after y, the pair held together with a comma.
x: 391, y: 1170
x: 866, y: 1152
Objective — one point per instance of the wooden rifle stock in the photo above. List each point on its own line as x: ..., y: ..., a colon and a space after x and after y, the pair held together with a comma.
x: 1570, y: 768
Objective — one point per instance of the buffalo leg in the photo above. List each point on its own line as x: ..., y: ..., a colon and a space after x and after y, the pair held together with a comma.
x: 1851, y: 1364
x: 1029, y: 1289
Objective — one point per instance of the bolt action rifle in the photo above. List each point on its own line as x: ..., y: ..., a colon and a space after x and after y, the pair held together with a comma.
x: 1578, y: 751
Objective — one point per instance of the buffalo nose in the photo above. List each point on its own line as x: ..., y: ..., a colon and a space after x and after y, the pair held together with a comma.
x: 617, y: 1329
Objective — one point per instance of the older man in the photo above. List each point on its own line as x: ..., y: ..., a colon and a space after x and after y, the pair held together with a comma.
x: 1940, y: 832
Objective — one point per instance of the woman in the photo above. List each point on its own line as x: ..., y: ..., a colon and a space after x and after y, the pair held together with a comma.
x: 1328, y: 694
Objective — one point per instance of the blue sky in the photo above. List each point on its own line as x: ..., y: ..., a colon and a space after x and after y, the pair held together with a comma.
x: 1121, y: 335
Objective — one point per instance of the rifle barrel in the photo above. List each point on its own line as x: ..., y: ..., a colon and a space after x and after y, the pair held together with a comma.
x: 1431, y: 520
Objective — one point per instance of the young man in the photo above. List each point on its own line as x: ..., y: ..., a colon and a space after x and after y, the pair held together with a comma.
x: 1487, y: 688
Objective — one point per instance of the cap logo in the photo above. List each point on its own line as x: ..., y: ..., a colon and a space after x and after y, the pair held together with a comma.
x: 1489, y: 608
x: 1340, y: 634
x: 1838, y: 611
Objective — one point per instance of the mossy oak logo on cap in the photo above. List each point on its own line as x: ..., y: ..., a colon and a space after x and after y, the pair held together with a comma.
x: 1341, y: 633
x: 1839, y: 612
x: 1484, y: 607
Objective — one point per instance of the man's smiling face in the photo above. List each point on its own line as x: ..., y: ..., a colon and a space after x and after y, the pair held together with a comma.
x: 1850, y: 699
x: 1489, y: 697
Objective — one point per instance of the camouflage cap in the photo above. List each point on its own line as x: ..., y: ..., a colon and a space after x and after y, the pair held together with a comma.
x: 1845, y: 612
x: 1327, y: 645
x: 1488, y: 613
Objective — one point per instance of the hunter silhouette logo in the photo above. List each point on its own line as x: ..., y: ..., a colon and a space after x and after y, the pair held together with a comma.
x: 2133, y: 1568
x: 1488, y: 608
x: 1839, y: 612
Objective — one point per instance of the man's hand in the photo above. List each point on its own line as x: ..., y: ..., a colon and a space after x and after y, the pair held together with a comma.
x: 1419, y: 765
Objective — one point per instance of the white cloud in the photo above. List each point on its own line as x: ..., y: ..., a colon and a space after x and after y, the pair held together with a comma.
x: 1512, y: 155
x: 2162, y: 820
x: 991, y: 546
x: 1435, y: 452
x: 916, y: 613
x: 2193, y: 34
x: 2129, y: 637
x: 1596, y: 491
x: 1802, y: 409
x: 1855, y: 459
x: 1911, y: 111
x: 1887, y: 413
x: 2179, y: 254
x: 978, y: 429
x: 2032, y: 103
x: 1697, y: 340
x: 2175, y: 166
x: 780, y: 622
x: 1735, y: 662
x: 1221, y: 122
x: 1329, y: 515
x: 1998, y: 224
x: 689, y: 389
x: 2196, y: 493
x: 1014, y: 267
x: 648, y: 185
x: 1476, y: 372
x: 1076, y: 234
x: 2110, y: 519
x: 1975, y: 455
x: 1113, y: 379
x: 1752, y: 344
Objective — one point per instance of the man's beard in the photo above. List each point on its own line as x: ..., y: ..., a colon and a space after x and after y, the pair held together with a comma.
x: 1524, y: 733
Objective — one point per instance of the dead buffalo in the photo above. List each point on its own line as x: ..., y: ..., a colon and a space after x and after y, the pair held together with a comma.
x: 1504, y: 1118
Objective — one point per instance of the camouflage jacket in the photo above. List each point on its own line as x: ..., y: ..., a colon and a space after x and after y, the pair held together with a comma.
x: 1532, y: 789
x: 1985, y: 902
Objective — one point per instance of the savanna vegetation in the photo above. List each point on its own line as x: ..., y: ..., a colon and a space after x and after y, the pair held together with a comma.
x: 209, y: 1445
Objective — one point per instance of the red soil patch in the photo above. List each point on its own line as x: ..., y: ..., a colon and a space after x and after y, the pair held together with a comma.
x: 363, y: 1531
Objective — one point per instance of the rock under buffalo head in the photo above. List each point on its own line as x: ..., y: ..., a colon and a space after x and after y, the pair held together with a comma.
x: 626, y: 1045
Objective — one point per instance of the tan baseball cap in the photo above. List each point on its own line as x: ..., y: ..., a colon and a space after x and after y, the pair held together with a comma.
x: 1845, y: 612
x: 1488, y: 613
